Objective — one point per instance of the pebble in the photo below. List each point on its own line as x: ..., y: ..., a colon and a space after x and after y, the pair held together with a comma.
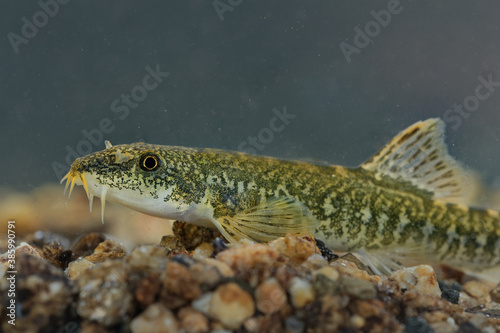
x: 270, y: 297
x: 231, y: 305
x: 179, y: 286
x: 346, y: 267
x: 495, y: 294
x: 301, y: 292
x: 358, y: 288
x: 203, y: 251
x: 44, y: 296
x: 192, y: 321
x: 250, y: 262
x: 77, y: 267
x: 297, y: 249
x: 86, y: 244
x: 421, y: 279
x: 103, y: 293
x: 479, y: 290
x: 155, y: 319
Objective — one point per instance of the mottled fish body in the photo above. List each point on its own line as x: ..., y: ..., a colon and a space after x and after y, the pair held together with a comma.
x: 406, y: 199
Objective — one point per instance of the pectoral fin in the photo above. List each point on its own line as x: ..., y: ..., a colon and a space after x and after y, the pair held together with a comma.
x: 269, y: 220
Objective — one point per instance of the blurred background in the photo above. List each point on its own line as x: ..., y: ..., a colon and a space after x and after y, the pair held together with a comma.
x: 345, y: 78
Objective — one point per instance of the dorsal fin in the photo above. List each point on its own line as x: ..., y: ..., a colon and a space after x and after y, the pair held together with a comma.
x: 419, y: 155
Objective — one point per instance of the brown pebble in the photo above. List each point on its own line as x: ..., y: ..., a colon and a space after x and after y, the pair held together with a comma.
x: 270, y: 297
x: 156, y: 318
x: 43, y: 293
x: 192, y: 235
x: 109, y: 246
x: 495, y: 294
x: 147, y: 289
x: 192, y: 321
x: 231, y: 305
x: 250, y: 262
x: 480, y: 290
x: 173, y: 245
x: 297, y: 249
x: 56, y: 255
x: 86, y: 244
x: 179, y: 285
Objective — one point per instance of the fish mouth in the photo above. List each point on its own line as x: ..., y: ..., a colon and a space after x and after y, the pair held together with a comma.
x: 80, y: 178
x: 71, y: 178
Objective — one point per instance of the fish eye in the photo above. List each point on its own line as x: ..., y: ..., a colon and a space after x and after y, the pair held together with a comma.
x: 149, y: 162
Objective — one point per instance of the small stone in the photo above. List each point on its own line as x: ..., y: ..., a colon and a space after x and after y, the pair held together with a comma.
x: 192, y: 321
x: 147, y: 289
x: 301, y: 292
x: 250, y: 262
x: 43, y: 294
x: 417, y: 325
x: 191, y: 235
x: 90, y: 327
x: 346, y: 267
x: 178, y: 285
x: 421, y: 279
x: 480, y: 290
x: 495, y: 294
x: 231, y: 305
x: 325, y: 251
x: 85, y: 245
x: 203, y: 251
x: 104, y: 295
x: 358, y: 288
x: 294, y: 324
x: 173, y: 245
x: 270, y: 296
x: 298, y: 249
x: 210, y: 273
x: 147, y: 258
x: 326, y: 281
x: 56, y: 255
x: 450, y: 291
x: 109, y: 246
x: 155, y: 319
x: 77, y: 267
x: 202, y: 304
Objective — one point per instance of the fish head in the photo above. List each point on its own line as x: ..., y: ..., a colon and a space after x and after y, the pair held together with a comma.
x: 153, y: 179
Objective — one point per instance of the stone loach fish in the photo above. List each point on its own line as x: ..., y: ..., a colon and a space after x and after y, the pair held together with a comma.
x: 407, y: 201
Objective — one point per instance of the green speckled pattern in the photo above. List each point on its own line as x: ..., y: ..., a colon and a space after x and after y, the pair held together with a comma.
x: 356, y: 209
